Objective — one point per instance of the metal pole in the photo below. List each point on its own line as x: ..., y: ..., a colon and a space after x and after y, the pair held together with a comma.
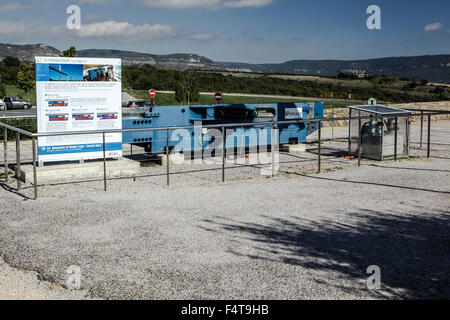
x: 272, y: 148
x: 34, y: 169
x: 104, y: 161
x: 349, y: 131
x: 359, y: 141
x: 18, y: 173
x: 223, y: 154
x: 421, y: 128
x: 167, y: 157
x: 395, y: 138
x: 242, y: 153
x: 5, y: 150
x: 332, y: 124
x: 429, y: 137
x: 318, y: 149
x: 131, y: 149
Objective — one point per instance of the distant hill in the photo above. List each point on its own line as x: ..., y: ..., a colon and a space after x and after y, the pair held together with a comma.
x: 434, y: 68
x: 177, y: 60
x: 27, y: 51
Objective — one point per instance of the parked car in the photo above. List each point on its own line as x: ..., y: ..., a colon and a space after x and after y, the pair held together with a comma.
x: 11, y: 103
x: 2, y: 105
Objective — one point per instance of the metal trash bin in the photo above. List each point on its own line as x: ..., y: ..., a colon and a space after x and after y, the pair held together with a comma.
x: 378, y: 132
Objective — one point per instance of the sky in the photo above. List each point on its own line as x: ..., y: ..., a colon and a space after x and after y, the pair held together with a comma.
x: 253, y: 31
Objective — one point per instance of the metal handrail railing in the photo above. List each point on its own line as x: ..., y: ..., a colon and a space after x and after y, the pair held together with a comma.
x: 273, y: 124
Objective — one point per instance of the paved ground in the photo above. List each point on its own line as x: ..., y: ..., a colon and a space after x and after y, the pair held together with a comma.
x: 18, y: 113
x: 297, y: 236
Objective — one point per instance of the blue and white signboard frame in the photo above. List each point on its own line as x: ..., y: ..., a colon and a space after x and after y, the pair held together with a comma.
x: 78, y: 94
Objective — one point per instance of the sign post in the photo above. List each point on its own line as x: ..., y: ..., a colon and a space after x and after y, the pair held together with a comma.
x: 152, y: 94
x: 218, y: 96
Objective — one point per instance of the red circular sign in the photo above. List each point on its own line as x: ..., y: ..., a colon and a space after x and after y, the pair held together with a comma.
x: 218, y: 96
x: 152, y: 93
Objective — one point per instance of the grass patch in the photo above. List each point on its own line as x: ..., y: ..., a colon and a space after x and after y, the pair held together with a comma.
x: 168, y: 99
x: 24, y: 124
x: 12, y: 90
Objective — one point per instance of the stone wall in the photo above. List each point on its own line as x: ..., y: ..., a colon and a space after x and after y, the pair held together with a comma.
x: 439, y: 105
x: 343, y: 112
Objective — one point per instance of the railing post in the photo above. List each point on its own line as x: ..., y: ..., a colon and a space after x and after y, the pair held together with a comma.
x: 421, y: 128
x: 34, y: 169
x: 395, y: 138
x: 272, y: 149
x: 332, y: 124
x: 5, y: 151
x: 167, y: 158
x: 359, y: 140
x: 319, y: 146
x: 104, y: 161
x: 429, y: 137
x: 18, y: 173
x: 223, y: 154
x: 349, y: 130
x: 242, y: 152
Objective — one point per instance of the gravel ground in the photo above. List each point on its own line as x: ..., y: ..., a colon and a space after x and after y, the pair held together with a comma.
x: 296, y: 236
x: 16, y: 284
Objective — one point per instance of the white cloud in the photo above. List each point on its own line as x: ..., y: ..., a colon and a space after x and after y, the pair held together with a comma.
x: 209, y: 4
x: 433, y: 27
x: 94, y: 1
x: 182, y: 4
x: 202, y: 36
x: 248, y: 3
x: 9, y: 29
x: 121, y: 31
x: 125, y: 30
x: 11, y: 7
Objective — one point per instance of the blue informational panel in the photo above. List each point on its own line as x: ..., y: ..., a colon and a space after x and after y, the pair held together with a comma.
x: 78, y: 94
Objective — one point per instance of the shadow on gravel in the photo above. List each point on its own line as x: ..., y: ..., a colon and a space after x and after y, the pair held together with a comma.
x: 369, y: 183
x: 412, y: 251
x: 7, y: 188
x: 405, y: 168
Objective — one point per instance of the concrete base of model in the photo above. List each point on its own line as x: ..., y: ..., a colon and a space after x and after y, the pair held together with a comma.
x: 81, y: 172
x: 174, y: 159
x: 294, y: 148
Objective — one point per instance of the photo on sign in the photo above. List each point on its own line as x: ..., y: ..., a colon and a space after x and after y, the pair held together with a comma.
x: 58, y: 117
x: 105, y: 73
x: 107, y: 116
x: 82, y: 116
x: 57, y: 103
x: 60, y: 72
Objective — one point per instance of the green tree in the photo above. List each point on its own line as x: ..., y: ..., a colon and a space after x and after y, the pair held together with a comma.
x: 25, y: 77
x: 2, y: 89
x: 194, y: 93
x: 180, y: 92
x: 71, y: 52
x: 9, y: 67
x: 11, y: 61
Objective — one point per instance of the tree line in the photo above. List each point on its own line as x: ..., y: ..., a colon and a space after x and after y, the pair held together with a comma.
x: 188, y: 83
